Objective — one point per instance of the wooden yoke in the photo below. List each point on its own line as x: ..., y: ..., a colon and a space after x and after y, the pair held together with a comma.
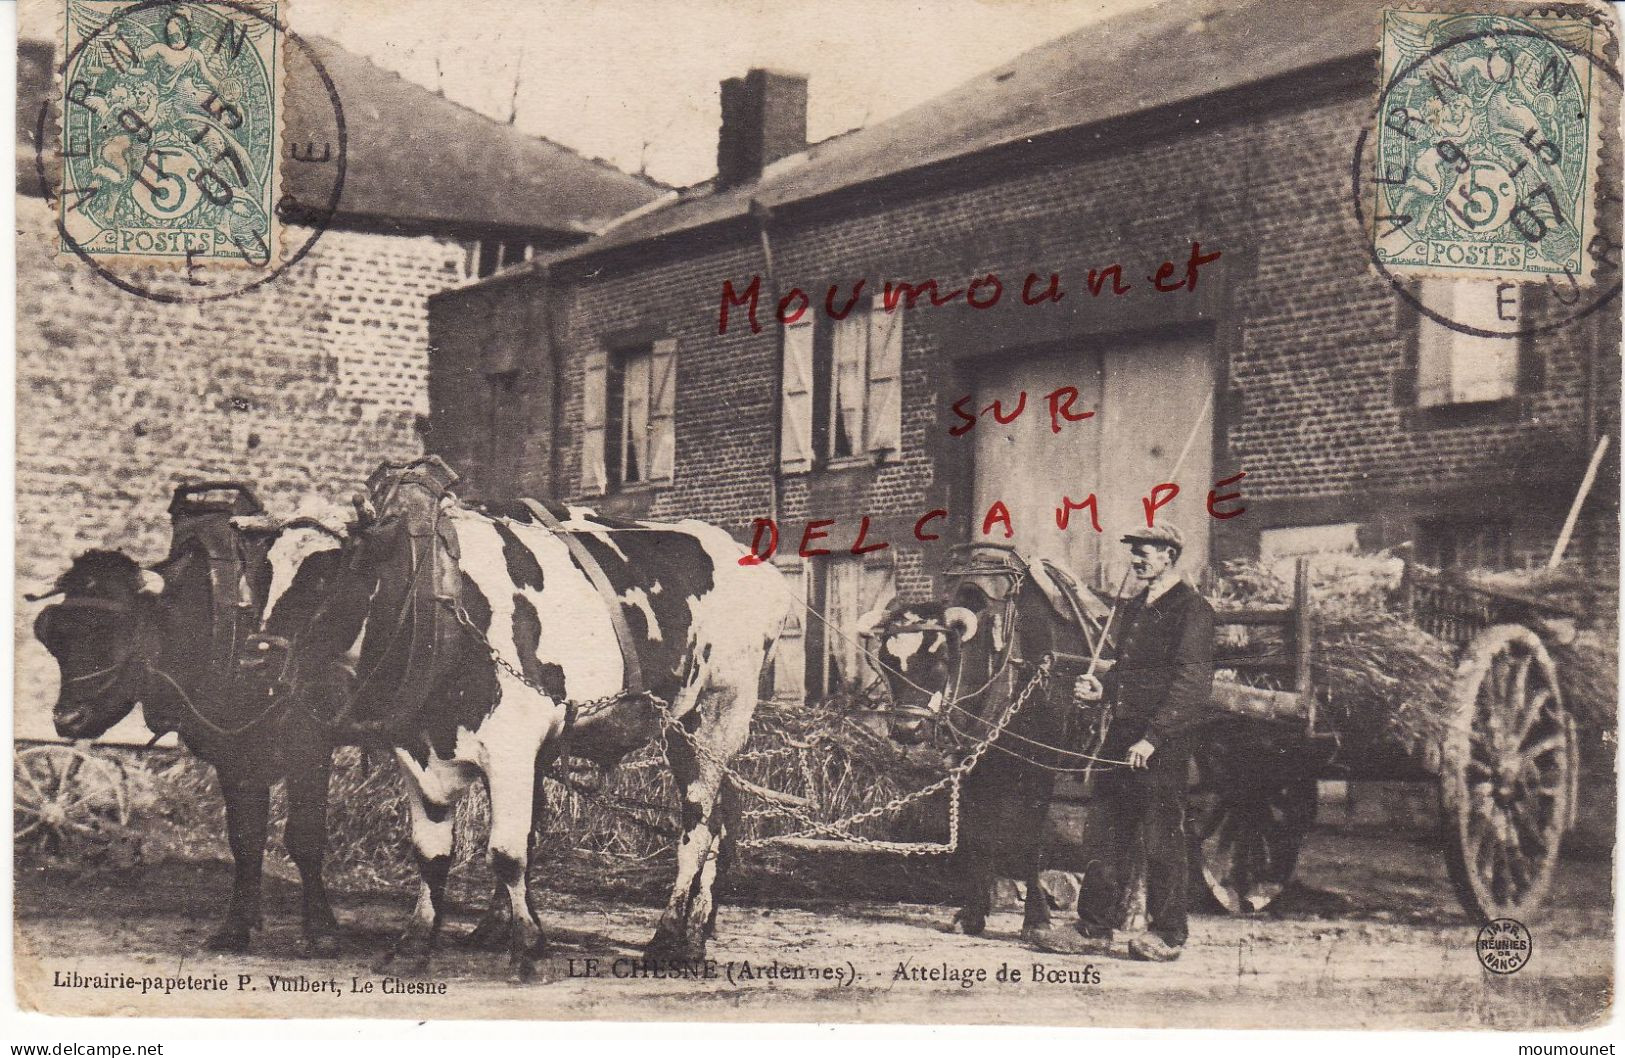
x: 595, y: 574
x: 203, y: 518
x: 412, y: 558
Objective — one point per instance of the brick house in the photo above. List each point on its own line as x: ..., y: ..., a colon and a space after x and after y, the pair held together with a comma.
x: 301, y: 386
x: 603, y: 374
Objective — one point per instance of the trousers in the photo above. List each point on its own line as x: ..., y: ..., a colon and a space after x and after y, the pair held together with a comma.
x: 1140, y: 808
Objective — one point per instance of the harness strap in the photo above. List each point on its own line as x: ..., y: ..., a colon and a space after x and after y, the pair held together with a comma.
x: 595, y: 574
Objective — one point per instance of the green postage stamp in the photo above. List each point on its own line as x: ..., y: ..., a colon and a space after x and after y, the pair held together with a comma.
x: 170, y: 132
x: 1486, y: 145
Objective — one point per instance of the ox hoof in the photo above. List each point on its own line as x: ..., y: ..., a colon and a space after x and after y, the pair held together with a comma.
x: 491, y: 932
x: 409, y: 961
x: 521, y: 969
x: 668, y: 950
x: 228, y: 939
x: 969, y: 925
x: 321, y: 945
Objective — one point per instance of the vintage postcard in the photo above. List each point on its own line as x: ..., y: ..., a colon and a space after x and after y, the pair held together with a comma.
x: 1066, y: 513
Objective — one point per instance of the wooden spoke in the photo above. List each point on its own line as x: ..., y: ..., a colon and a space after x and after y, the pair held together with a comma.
x: 1541, y: 704
x: 1248, y: 823
x: 1547, y: 745
x: 28, y: 777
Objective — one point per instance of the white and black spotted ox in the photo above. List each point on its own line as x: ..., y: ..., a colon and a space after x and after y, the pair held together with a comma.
x: 953, y: 668
x: 495, y: 690
x: 181, y: 643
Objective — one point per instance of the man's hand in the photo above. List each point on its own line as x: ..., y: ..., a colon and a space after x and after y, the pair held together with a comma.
x: 1088, y: 689
x: 1139, y: 754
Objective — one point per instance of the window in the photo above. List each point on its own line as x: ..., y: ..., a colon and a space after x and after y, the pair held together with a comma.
x: 1279, y: 549
x: 842, y: 388
x: 628, y: 417
x: 1457, y: 368
x: 488, y: 256
x: 842, y: 589
x: 1297, y: 540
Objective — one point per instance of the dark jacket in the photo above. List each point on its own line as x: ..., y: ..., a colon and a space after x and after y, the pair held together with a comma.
x: 1163, y: 678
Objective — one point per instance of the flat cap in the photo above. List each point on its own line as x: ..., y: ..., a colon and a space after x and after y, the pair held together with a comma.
x: 1166, y: 535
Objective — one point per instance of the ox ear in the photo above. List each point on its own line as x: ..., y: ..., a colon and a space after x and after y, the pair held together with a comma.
x: 960, y: 620
x: 152, y: 581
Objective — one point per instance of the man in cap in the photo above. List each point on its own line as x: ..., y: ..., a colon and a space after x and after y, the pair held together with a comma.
x: 1159, y: 688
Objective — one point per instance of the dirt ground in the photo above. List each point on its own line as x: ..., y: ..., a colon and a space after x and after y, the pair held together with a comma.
x: 1370, y: 937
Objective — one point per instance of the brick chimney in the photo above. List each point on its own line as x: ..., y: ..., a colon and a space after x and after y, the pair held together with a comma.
x: 764, y: 118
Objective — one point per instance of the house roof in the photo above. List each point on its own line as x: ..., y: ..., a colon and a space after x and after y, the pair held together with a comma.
x: 1172, y: 53
x: 417, y: 159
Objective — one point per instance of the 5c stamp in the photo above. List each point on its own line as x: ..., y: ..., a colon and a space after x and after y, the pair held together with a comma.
x: 170, y: 133
x: 1485, y: 148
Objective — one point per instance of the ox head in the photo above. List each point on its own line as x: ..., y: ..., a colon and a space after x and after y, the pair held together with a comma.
x: 921, y: 650
x: 102, y: 634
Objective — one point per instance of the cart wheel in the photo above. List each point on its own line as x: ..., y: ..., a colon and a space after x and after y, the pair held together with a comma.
x: 1508, y: 771
x: 1248, y: 819
x: 65, y: 796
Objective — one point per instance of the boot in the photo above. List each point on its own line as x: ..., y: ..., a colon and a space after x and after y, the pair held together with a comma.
x: 1152, y: 948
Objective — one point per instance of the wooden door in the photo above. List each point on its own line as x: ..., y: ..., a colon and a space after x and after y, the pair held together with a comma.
x: 1028, y: 465
x: 1150, y: 398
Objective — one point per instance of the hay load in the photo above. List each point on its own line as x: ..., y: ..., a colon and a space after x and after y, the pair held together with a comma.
x: 1379, y: 677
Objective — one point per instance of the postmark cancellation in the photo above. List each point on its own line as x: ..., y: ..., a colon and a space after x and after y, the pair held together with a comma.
x: 170, y: 133
x: 1486, y: 144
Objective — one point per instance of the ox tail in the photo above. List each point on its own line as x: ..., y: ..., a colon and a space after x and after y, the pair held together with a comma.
x: 770, y: 644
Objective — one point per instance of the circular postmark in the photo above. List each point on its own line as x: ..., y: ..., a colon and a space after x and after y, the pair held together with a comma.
x: 1482, y: 163
x: 1504, y: 946
x: 200, y: 150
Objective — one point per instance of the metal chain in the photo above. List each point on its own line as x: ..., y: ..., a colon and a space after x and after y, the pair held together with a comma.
x: 839, y: 828
x: 582, y: 709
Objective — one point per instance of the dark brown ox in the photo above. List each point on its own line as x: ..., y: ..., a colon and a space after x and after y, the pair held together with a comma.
x: 122, y: 635
x: 954, y: 669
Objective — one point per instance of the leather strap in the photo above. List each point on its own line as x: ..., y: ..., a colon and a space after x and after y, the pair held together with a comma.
x: 595, y: 574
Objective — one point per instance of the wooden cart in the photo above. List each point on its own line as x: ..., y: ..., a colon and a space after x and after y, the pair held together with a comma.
x: 1507, y: 762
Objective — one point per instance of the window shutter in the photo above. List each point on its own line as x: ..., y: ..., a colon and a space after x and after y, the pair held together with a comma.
x: 790, y: 655
x: 1434, y: 347
x: 663, y: 410
x: 1531, y: 359
x: 594, y: 373
x: 885, y: 380
x: 506, y: 329
x: 795, y: 412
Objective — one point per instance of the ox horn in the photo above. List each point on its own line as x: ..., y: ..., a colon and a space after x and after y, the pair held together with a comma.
x: 869, y: 622
x: 962, y: 620
x: 152, y: 581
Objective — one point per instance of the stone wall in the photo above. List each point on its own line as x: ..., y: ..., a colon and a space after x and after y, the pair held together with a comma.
x: 299, y: 387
